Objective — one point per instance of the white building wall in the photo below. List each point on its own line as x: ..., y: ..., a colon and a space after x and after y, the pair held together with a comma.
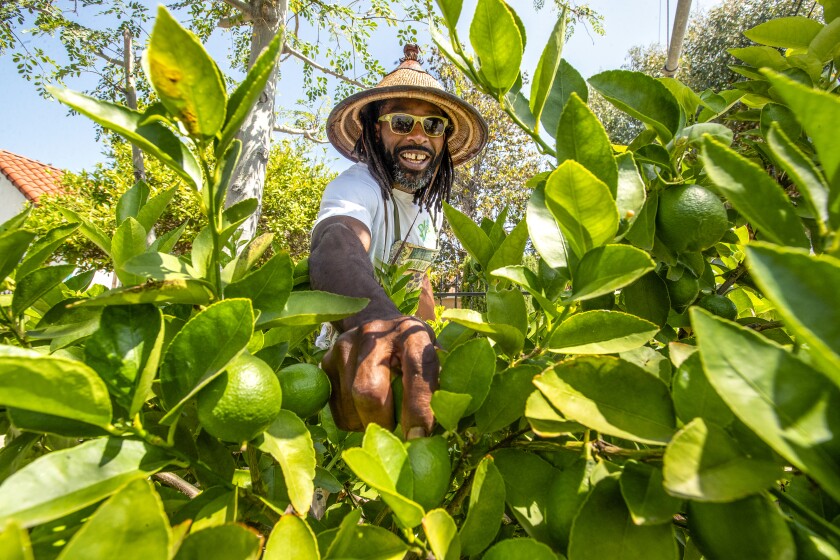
x: 11, y: 200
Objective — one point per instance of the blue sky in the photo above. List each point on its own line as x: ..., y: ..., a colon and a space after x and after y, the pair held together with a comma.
x: 41, y: 128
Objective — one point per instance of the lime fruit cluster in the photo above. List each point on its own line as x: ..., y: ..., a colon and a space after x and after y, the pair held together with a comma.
x: 306, y: 389
x: 242, y: 402
x: 719, y: 305
x: 683, y: 292
x: 690, y: 218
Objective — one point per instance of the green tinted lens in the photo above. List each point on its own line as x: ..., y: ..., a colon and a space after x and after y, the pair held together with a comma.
x: 434, y: 126
x: 402, y: 124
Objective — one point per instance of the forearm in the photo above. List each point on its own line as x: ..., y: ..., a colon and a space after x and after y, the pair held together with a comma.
x: 339, y: 264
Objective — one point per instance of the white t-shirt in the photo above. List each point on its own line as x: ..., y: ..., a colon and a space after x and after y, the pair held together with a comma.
x: 355, y: 193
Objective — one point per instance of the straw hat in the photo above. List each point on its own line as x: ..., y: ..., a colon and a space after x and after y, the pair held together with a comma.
x: 409, y: 80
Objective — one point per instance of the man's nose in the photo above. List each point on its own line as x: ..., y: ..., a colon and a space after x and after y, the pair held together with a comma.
x: 417, y: 134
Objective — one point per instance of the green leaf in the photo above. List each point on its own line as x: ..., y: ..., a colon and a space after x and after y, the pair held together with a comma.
x: 648, y: 298
x: 125, y: 352
x: 605, y: 513
x: 630, y: 194
x: 136, y: 525
x: 43, y: 248
x: 582, y: 138
x: 151, y: 211
x: 160, y: 266
x: 290, y: 443
x: 800, y: 285
x: 641, y: 97
x: 472, y: 237
x: 166, y: 242
x: 803, y: 172
x: 449, y: 408
x: 451, y: 10
x: 13, y: 245
x: 16, y: 222
x: 605, y: 269
x: 704, y: 463
x: 236, y: 269
x: 519, y: 549
x: 688, y: 100
x: 58, y: 386
x: 201, y: 256
x: 193, y: 292
x: 641, y: 233
x: 505, y: 402
x: 566, y: 492
x: 469, y: 370
x: 752, y: 527
x: 152, y: 137
x: 525, y: 278
x: 370, y: 469
x: 527, y: 480
x: 641, y: 487
x: 761, y: 57
x: 754, y: 194
x: 694, y: 397
x: 248, y: 91
x: 825, y: 45
x: 203, y: 348
x: 129, y: 241
x: 794, y: 32
x: 14, y: 543
x: 778, y: 396
x: 132, y: 201
x: 223, y: 542
x: 364, y: 542
x: 507, y: 306
x: 511, y: 249
x: 567, y: 80
x: 611, y: 396
x: 79, y: 476
x: 583, y: 207
x: 545, y: 421
x: 268, y: 287
x: 392, y: 455
x: 291, y: 539
x: 442, y: 535
x: 510, y: 339
x: 819, y: 114
x: 311, y: 308
x: 600, y: 332
x: 486, y: 508
x: 496, y: 40
x: 185, y: 78
x: 36, y: 284
x: 543, y: 229
x: 694, y: 134
x: 547, y: 67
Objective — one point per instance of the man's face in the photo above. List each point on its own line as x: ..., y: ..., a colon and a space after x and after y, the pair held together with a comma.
x: 411, y: 158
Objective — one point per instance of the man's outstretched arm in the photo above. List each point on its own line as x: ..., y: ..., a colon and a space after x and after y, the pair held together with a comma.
x: 374, y: 341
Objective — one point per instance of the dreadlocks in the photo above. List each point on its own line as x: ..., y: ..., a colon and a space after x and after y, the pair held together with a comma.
x: 370, y: 151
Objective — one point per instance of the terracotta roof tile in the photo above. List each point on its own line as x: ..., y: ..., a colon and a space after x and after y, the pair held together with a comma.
x: 32, y: 178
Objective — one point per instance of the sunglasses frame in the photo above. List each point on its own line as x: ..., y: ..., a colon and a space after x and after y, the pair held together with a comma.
x: 388, y: 116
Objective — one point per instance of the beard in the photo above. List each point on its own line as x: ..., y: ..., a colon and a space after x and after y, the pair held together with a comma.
x: 409, y: 180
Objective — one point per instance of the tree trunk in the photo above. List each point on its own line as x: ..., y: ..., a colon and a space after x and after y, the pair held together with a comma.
x: 269, y: 18
x: 131, y: 102
x: 677, y: 36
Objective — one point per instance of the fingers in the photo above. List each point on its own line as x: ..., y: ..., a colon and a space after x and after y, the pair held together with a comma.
x: 340, y: 364
x: 372, y: 393
x: 420, y: 368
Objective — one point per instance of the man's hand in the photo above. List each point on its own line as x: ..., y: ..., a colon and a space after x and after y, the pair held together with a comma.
x: 360, y: 366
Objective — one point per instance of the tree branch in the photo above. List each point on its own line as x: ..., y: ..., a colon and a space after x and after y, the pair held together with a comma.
x: 243, y: 7
x: 309, y: 134
x: 289, y: 50
x: 114, y: 61
x: 178, y: 483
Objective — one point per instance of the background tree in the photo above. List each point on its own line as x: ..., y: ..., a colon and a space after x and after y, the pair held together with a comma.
x: 705, y: 62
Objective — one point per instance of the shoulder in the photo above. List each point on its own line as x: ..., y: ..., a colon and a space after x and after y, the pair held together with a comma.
x: 355, y: 178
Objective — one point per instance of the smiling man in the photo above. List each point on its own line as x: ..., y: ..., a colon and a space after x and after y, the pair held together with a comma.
x: 406, y: 135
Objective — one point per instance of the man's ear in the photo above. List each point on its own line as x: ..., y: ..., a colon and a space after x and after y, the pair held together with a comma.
x: 377, y: 131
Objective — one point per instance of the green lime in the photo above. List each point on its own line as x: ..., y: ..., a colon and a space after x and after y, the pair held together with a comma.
x: 306, y: 389
x: 429, y: 459
x: 719, y: 305
x: 683, y: 292
x: 241, y: 402
x: 690, y: 218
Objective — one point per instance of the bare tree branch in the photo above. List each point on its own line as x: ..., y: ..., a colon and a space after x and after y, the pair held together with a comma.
x: 178, y: 483
x: 112, y: 60
x: 242, y: 6
x: 309, y: 134
x: 289, y: 50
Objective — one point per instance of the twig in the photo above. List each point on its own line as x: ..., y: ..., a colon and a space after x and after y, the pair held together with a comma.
x: 243, y: 7
x: 178, y: 483
x: 289, y: 50
x: 766, y: 326
x: 736, y: 274
x: 309, y: 134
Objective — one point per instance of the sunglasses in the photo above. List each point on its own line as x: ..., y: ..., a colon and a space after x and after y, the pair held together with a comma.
x: 403, y: 123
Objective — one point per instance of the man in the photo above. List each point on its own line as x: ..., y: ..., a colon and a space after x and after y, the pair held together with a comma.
x: 407, y: 134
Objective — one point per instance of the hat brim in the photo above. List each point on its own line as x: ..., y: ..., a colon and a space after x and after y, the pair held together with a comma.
x: 469, y: 131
